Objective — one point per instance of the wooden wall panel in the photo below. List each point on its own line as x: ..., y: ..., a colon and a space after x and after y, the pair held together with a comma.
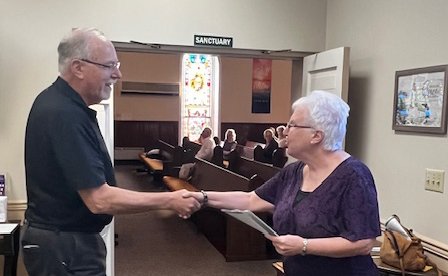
x: 144, y: 133
x: 248, y: 131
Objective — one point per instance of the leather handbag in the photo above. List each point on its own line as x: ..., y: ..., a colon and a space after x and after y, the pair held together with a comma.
x: 404, y: 252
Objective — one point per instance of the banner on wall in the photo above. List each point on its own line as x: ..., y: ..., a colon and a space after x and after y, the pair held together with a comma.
x: 261, y: 85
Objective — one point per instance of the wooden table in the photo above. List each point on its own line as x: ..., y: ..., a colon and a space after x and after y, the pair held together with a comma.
x: 386, y: 269
x: 9, y: 247
x: 383, y: 269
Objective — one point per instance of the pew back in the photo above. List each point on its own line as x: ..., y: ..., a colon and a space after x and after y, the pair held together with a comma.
x: 235, y: 240
x: 189, y: 150
x: 247, y: 167
x: 208, y: 176
x: 279, y: 157
x: 175, y: 152
x: 218, y: 156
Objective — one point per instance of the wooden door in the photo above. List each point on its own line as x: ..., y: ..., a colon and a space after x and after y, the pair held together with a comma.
x: 327, y: 71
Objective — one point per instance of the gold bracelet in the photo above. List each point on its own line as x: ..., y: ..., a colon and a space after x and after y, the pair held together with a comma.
x: 305, y: 243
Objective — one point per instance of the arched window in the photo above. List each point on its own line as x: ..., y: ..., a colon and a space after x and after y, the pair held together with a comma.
x: 199, y: 96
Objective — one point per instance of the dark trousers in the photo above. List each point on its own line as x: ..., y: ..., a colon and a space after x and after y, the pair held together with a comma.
x: 52, y: 252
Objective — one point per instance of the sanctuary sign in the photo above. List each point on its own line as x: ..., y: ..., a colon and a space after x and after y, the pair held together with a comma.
x: 217, y: 41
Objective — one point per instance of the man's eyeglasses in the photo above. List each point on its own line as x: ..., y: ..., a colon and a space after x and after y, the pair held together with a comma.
x: 291, y: 125
x: 111, y: 66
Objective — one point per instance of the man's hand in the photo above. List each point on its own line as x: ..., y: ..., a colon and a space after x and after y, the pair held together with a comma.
x: 184, y: 206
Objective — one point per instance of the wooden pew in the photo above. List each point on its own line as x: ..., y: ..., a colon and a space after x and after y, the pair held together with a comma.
x: 152, y: 164
x: 232, y: 238
x: 254, y: 150
x: 218, y: 156
x: 172, y: 164
x: 208, y: 176
x: 247, y: 150
x: 259, y: 155
x: 189, y: 150
x: 174, y: 184
x: 247, y: 167
x: 167, y: 162
x: 279, y: 158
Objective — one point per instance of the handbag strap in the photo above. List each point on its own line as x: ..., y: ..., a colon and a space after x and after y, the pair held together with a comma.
x: 390, y: 235
x: 403, y: 273
x: 393, y: 240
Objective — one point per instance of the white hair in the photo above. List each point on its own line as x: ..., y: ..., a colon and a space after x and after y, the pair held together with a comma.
x: 230, y: 130
x: 327, y: 113
x: 76, y: 45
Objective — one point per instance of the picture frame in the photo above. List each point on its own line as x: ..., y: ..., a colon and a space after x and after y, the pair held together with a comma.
x: 420, y: 100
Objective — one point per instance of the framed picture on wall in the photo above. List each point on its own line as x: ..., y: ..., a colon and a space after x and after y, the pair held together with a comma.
x: 420, y: 100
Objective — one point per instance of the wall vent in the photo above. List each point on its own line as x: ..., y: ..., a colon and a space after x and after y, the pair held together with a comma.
x: 150, y: 88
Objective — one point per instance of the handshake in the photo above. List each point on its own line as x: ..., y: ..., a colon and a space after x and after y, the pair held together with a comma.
x: 186, y: 203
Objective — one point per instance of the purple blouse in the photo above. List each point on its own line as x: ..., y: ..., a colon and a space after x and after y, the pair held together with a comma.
x: 344, y: 205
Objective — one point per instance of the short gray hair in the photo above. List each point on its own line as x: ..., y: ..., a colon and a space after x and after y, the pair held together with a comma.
x: 327, y: 113
x: 76, y: 45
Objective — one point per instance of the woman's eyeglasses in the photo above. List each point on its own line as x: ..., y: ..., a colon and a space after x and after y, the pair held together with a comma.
x: 292, y: 125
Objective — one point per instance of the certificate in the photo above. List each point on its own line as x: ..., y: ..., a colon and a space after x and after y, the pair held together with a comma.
x: 251, y: 219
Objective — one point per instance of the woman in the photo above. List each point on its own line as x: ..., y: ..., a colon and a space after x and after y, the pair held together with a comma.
x: 324, y: 207
x: 229, y: 143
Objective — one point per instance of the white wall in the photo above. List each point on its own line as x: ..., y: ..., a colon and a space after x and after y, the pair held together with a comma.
x: 31, y: 30
x: 386, y: 36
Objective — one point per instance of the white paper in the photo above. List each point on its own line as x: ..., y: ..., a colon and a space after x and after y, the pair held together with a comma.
x: 252, y: 220
x: 3, y: 208
x: 6, y: 228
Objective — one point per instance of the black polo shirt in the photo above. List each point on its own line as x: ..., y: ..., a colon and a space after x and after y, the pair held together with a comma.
x: 64, y: 153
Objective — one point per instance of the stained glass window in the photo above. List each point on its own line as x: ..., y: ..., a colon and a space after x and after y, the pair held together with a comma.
x: 200, y: 95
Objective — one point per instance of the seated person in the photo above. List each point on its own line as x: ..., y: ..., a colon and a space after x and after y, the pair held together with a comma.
x: 281, y: 137
x: 207, y: 144
x: 205, y: 152
x: 185, y: 141
x: 229, y: 143
x: 270, y: 146
x: 217, y: 141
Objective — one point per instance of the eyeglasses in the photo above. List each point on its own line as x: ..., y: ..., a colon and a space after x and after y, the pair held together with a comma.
x: 112, y: 66
x: 291, y: 125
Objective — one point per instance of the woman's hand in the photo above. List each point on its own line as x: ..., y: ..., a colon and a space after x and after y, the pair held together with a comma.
x: 287, y: 245
x: 335, y: 247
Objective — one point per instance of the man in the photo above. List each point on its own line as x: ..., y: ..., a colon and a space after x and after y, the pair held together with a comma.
x: 205, y: 152
x: 207, y: 145
x: 69, y: 175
